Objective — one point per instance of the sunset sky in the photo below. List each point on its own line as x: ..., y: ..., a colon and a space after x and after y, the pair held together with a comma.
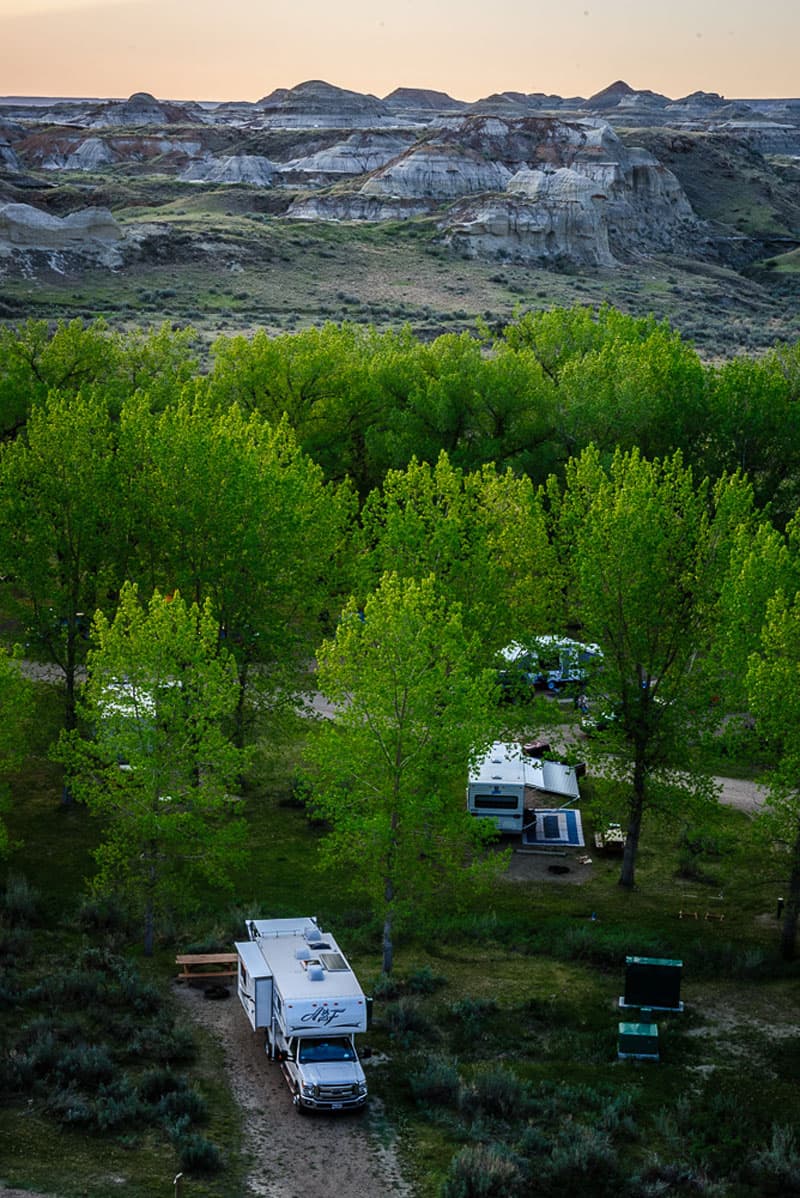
x: 242, y: 49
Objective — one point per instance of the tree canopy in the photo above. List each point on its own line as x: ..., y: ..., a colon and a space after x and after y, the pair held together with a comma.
x: 390, y: 769
x: 157, y: 763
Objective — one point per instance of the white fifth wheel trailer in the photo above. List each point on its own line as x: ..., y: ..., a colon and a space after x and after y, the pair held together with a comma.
x: 295, y: 982
x: 506, y: 786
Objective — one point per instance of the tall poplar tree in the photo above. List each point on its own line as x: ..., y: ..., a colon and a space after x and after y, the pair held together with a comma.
x: 649, y: 550
x: 392, y: 766
x: 158, y: 765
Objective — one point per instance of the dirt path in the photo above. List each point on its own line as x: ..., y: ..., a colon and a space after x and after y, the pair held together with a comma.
x: 291, y: 1156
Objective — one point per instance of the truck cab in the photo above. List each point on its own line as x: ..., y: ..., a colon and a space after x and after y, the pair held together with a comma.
x: 324, y: 1073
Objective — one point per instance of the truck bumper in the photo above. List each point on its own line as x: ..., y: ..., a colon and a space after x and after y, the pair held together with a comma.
x: 331, y: 1104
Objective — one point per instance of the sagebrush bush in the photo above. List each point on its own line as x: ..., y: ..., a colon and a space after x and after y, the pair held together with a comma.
x: 483, y: 1171
x: 184, y: 1102
x: 104, y: 914
x: 424, y: 981
x: 84, y: 1065
x: 21, y: 902
x: 496, y: 1094
x: 154, y: 1084
x: 117, y: 1105
x: 776, y: 1166
x: 472, y: 1014
x: 437, y: 1083
x: 163, y: 1042
x: 197, y: 1154
x: 407, y: 1021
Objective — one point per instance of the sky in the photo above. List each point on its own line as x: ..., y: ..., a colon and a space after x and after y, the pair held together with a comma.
x: 243, y: 49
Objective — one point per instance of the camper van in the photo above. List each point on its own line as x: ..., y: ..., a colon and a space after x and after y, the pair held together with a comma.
x: 295, y: 983
x: 550, y: 661
x: 507, y: 786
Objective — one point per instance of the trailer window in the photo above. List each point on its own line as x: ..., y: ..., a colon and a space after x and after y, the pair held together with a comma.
x: 496, y: 803
x: 337, y: 1049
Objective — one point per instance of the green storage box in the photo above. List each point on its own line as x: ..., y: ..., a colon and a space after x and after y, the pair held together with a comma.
x: 638, y: 1042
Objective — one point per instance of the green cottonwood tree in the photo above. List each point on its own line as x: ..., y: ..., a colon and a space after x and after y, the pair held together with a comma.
x: 62, y: 522
x: 16, y: 706
x: 773, y: 686
x: 393, y: 763
x: 159, y: 696
x: 650, y: 551
x: 482, y: 534
x: 230, y: 509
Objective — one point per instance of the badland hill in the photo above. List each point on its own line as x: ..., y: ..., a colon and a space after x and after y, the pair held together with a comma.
x: 625, y: 184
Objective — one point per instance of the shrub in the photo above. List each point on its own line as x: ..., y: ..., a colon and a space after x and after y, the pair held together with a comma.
x: 425, y: 981
x: 197, y: 1154
x: 498, y: 1094
x: 386, y: 987
x: 154, y: 1084
x: 776, y: 1168
x: 102, y: 915
x: 483, y: 1171
x: 117, y: 1105
x: 21, y: 902
x: 583, y: 1162
x: 84, y: 1064
x: 163, y: 1042
x: 472, y: 1013
x: 68, y: 1106
x: 182, y: 1103
x: 437, y: 1082
x: 406, y: 1021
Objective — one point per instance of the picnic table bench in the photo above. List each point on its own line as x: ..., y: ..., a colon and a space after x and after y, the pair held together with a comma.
x: 216, y: 966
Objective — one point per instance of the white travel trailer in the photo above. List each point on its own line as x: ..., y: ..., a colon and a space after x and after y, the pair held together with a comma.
x: 550, y: 661
x: 295, y: 982
x: 507, y: 786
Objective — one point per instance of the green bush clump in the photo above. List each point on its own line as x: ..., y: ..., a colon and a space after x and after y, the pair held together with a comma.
x: 407, y: 1021
x: 437, y: 1083
x: 583, y: 1161
x: 775, y: 1168
x: 196, y: 1153
x: 472, y: 1014
x: 102, y: 915
x: 154, y: 1084
x: 163, y: 1042
x: 21, y: 902
x: 183, y: 1102
x: 483, y: 1171
x: 424, y: 981
x: 496, y: 1094
x: 83, y: 1064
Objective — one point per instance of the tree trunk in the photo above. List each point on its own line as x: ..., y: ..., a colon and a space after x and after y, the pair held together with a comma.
x: 388, y: 947
x: 149, y: 904
x: 238, y: 729
x: 626, y: 877
x: 149, y: 927
x: 792, y: 909
x: 70, y: 715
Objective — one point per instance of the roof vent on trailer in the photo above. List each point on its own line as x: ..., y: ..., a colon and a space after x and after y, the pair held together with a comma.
x: 302, y: 954
x: 315, y: 973
x: 311, y: 933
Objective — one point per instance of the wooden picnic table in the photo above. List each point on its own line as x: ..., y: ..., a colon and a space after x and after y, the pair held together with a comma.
x: 206, y: 965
